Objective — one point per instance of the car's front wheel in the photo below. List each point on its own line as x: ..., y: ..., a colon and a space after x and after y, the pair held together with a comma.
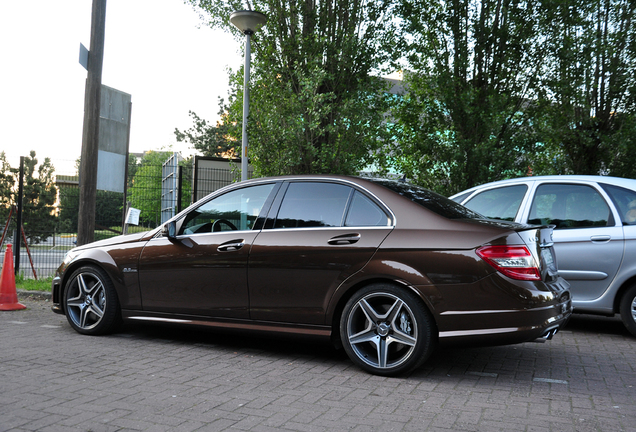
x: 628, y: 309
x: 90, y: 302
x: 386, y: 330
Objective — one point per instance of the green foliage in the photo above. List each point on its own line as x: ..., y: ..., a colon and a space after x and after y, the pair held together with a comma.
x: 108, y: 204
x: 495, y: 88
x: 463, y: 120
x: 8, y: 177
x: 69, y: 208
x: 587, y: 90
x: 39, y: 195
x: 108, y: 208
x: 209, y: 140
x: 315, y: 106
x: 623, y: 163
x: 145, y: 191
x: 33, y: 285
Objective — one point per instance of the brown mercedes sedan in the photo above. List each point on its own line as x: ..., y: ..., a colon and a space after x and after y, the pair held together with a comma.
x: 385, y: 269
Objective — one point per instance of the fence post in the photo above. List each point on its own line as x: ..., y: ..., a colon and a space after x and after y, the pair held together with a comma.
x: 179, y: 188
x: 17, y: 237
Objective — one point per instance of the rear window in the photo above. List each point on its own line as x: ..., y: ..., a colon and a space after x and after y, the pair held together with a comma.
x: 430, y: 200
x: 499, y: 203
x: 624, y: 200
x: 309, y: 204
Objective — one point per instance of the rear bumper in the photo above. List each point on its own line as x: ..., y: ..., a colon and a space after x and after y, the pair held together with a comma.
x: 535, y: 315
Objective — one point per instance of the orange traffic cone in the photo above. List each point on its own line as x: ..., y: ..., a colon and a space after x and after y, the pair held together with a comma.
x: 8, y: 293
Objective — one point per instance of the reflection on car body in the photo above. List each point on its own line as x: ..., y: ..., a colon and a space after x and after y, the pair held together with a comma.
x: 386, y: 269
x: 594, y: 236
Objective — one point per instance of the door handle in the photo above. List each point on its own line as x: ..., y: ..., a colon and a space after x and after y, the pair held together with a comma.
x: 600, y: 238
x: 232, y: 245
x: 344, y: 239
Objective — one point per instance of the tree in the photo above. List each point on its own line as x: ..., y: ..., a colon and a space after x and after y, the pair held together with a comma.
x: 503, y: 88
x: 464, y: 117
x: 108, y: 204
x: 588, y: 87
x: 39, y: 195
x: 209, y: 140
x: 146, y: 189
x: 145, y: 193
x: 8, y: 177
x: 315, y: 104
x: 108, y: 209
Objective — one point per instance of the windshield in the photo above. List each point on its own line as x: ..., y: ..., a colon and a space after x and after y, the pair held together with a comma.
x: 429, y: 200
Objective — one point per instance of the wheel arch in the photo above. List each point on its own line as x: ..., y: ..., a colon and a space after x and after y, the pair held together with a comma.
x: 108, y: 266
x: 338, y: 306
x: 616, y: 305
x: 90, y: 300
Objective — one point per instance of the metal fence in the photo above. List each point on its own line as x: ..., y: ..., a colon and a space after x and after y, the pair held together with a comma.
x: 43, y: 251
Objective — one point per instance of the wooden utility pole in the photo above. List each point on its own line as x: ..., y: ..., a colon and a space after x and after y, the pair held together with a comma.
x: 90, y: 135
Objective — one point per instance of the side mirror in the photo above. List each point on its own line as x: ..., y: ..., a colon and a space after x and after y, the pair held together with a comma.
x: 170, y: 230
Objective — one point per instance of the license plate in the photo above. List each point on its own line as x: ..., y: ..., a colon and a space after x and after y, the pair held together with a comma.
x: 548, y: 258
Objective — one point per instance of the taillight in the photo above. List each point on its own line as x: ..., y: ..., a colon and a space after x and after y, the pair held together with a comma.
x: 513, y: 261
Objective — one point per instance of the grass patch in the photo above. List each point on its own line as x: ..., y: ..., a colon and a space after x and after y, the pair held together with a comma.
x: 33, y: 285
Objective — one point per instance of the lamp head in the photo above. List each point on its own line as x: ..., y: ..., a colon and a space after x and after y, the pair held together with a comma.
x: 248, y: 21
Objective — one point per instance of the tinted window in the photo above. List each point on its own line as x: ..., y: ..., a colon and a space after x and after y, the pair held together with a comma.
x: 569, y: 206
x: 429, y: 200
x: 309, y: 204
x: 625, y: 201
x: 501, y: 203
x: 364, y: 212
x: 239, y: 207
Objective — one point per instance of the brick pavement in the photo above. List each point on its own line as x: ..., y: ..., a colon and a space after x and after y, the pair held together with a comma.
x: 149, y: 378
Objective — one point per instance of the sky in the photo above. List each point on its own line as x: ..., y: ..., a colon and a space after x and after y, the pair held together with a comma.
x: 159, y: 51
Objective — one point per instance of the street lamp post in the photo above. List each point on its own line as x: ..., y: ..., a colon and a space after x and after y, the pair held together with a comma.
x: 248, y: 22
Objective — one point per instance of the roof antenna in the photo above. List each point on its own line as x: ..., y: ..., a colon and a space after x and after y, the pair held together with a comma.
x: 403, y: 179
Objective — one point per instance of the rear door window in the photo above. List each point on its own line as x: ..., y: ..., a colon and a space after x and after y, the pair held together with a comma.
x: 569, y: 206
x: 313, y: 204
x: 500, y: 203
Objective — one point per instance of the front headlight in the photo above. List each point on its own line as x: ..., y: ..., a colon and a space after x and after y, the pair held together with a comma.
x: 68, y: 257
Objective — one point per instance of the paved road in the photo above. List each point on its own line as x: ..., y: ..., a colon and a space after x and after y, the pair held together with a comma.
x: 46, y: 255
x: 44, y: 261
x: 149, y: 378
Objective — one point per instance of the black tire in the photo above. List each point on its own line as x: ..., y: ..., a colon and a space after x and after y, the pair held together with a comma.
x: 386, y: 330
x: 90, y: 302
x: 628, y: 309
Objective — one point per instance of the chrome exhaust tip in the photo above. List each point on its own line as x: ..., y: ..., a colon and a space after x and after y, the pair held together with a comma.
x: 548, y: 335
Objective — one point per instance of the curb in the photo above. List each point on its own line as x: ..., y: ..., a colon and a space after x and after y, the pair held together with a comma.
x: 34, y: 295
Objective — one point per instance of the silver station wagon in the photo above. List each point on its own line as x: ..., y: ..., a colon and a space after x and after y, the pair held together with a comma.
x: 594, y: 235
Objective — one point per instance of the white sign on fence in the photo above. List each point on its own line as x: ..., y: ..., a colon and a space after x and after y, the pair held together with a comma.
x: 132, y: 217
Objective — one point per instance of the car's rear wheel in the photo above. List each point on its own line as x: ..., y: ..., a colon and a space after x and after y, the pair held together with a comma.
x: 90, y: 302
x: 628, y: 309
x: 386, y: 330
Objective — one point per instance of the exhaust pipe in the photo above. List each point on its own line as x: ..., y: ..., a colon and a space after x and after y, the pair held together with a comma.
x: 548, y: 335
